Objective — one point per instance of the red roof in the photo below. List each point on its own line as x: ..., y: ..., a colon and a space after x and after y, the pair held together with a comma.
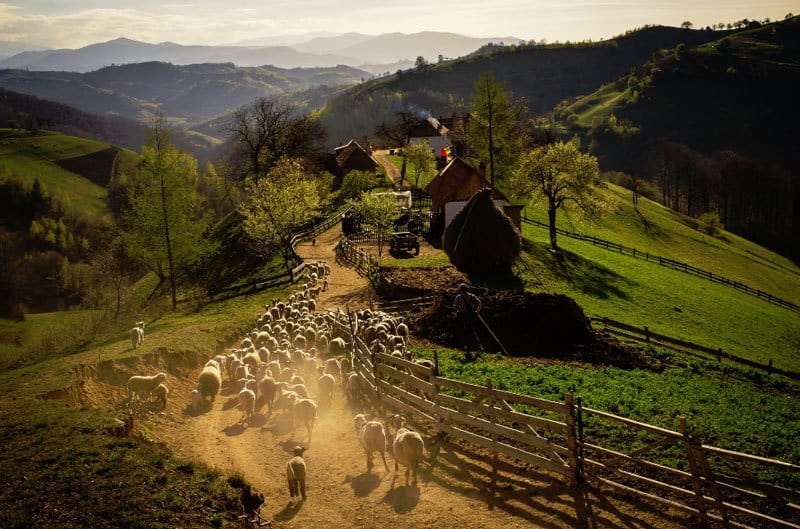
x: 458, y: 181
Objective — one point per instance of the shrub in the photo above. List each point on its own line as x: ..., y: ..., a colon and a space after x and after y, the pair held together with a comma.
x: 710, y: 223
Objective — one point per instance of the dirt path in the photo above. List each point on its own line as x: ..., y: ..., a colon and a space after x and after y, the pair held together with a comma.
x: 391, y: 169
x: 452, y: 488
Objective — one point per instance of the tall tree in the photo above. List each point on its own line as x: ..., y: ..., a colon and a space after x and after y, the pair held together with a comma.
x: 560, y: 174
x: 493, y: 130
x: 378, y: 212
x: 267, y: 130
x: 421, y: 159
x: 277, y: 206
x: 397, y: 133
x: 166, y: 216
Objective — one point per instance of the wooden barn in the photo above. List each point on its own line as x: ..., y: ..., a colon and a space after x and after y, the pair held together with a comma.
x: 454, y: 186
x: 352, y: 157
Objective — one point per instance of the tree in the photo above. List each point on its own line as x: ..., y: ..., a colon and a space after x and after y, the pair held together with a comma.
x: 686, y: 24
x: 167, y: 217
x: 492, y: 130
x: 421, y: 63
x: 277, y: 206
x: 397, y: 133
x: 113, y: 265
x: 421, y: 159
x: 266, y: 131
x: 561, y: 174
x: 378, y: 212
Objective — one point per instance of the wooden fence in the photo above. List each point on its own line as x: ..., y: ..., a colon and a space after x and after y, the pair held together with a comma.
x: 586, y: 446
x: 671, y: 263
x: 645, y: 335
x: 351, y: 255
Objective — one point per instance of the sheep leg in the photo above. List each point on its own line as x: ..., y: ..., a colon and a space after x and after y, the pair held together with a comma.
x: 383, y: 456
x: 303, y: 490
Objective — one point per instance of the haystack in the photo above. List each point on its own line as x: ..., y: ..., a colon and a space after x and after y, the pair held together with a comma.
x: 481, y: 239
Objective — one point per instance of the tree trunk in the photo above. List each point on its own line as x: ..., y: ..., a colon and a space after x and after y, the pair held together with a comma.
x: 551, y: 216
x: 170, y: 261
x: 403, y: 170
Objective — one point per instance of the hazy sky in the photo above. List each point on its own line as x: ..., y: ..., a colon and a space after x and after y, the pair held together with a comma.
x: 75, y: 23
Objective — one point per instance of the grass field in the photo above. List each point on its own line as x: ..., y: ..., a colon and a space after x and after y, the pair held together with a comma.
x: 28, y: 157
x: 424, y: 178
x: 727, y: 407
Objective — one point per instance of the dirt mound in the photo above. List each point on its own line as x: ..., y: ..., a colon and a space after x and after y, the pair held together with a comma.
x: 542, y: 325
x: 419, y: 281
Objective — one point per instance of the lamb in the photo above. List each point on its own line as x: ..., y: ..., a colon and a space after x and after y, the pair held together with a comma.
x: 162, y: 392
x: 305, y: 411
x: 144, y: 385
x: 208, y: 383
x: 195, y: 399
x: 407, y: 448
x: 372, y: 436
x: 137, y: 336
x: 247, y: 400
x: 296, y: 474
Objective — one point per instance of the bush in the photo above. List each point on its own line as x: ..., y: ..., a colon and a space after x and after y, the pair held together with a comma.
x: 710, y: 223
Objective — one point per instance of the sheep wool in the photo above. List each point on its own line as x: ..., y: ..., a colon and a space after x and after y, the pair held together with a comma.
x: 296, y: 474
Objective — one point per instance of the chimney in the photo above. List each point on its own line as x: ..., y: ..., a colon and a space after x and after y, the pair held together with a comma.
x: 365, y: 143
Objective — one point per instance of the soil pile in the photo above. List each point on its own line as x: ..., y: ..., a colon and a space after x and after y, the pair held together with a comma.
x: 541, y: 325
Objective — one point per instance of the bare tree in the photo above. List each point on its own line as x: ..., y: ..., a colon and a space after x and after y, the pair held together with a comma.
x: 268, y: 130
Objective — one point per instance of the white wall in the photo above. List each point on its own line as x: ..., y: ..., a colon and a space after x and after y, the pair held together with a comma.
x: 436, y: 143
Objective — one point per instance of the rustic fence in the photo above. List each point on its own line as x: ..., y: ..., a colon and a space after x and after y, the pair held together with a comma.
x: 351, y: 255
x: 645, y: 335
x: 671, y: 263
x: 586, y: 446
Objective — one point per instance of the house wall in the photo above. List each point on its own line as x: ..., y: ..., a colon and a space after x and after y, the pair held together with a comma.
x: 436, y: 143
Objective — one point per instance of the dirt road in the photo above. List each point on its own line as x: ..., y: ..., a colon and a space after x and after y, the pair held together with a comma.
x: 452, y: 490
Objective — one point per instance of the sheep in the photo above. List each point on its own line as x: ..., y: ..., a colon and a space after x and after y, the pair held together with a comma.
x: 296, y: 474
x: 137, y: 336
x: 353, y: 387
x: 337, y: 347
x: 162, y: 392
x: 267, y: 389
x: 247, y: 400
x: 407, y: 448
x: 208, y: 383
x: 333, y: 367
x: 326, y: 384
x: 195, y: 399
x: 304, y: 411
x: 372, y: 437
x: 300, y: 389
x: 143, y: 385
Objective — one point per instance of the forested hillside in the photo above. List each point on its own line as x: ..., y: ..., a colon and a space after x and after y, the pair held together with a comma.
x: 714, y: 127
x: 543, y: 75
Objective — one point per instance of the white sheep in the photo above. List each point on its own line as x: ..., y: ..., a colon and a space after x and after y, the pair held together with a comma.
x: 137, y: 336
x: 144, y: 385
x: 209, y: 383
x: 195, y: 399
x: 372, y: 436
x: 407, y: 448
x: 247, y: 400
x: 296, y: 474
x: 267, y: 388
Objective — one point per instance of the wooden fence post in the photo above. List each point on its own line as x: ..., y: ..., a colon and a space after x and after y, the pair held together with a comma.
x: 697, y: 485
x: 495, y: 457
x: 572, y: 439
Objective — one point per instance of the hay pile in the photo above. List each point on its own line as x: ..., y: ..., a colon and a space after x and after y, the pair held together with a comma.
x: 537, y: 325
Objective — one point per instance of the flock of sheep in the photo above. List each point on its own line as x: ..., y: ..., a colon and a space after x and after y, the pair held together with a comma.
x: 294, y: 352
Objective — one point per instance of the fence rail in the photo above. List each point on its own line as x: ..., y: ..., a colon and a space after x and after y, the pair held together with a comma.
x: 645, y: 335
x: 351, y: 255
x: 711, y: 484
x: 671, y: 263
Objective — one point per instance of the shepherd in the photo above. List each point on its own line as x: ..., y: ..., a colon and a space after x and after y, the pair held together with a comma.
x: 468, y: 306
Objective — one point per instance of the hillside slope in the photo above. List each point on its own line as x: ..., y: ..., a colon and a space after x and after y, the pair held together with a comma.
x: 714, y: 126
x: 542, y: 75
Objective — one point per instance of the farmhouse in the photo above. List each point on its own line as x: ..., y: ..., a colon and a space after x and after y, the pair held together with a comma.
x: 454, y: 186
x: 352, y: 157
x: 430, y: 130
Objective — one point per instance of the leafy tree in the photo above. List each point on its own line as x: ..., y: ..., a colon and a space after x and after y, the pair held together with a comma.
x: 687, y: 24
x: 421, y: 63
x: 277, y: 206
x: 167, y: 217
x: 397, y: 133
x: 493, y: 130
x: 356, y: 182
x: 378, y: 212
x: 710, y: 223
x: 266, y: 131
x: 561, y: 174
x: 421, y: 159
x: 114, y: 266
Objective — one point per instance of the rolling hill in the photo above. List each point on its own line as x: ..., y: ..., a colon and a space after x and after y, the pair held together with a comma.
x: 714, y: 125
x: 542, y: 75
x: 184, y: 93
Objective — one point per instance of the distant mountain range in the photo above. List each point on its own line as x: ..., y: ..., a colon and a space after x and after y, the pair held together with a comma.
x: 353, y: 49
x: 185, y: 93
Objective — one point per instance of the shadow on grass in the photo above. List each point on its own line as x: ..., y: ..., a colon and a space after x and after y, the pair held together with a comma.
x: 590, y: 277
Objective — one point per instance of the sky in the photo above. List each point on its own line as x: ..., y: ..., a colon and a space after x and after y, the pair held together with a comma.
x: 76, y: 23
